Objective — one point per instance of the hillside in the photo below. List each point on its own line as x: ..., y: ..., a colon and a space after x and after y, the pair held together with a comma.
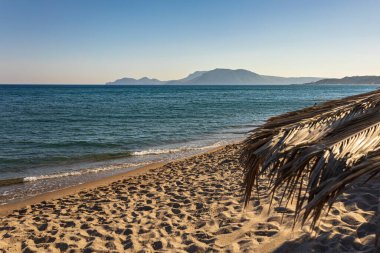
x: 144, y: 80
x: 221, y: 76
x: 350, y: 80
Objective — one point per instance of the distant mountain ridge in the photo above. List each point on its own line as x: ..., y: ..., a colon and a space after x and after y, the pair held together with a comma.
x: 221, y: 76
x: 350, y: 80
x: 144, y: 80
x: 188, y: 78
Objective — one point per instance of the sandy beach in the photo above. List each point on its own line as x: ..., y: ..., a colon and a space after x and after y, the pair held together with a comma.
x: 189, y: 126
x: 191, y: 205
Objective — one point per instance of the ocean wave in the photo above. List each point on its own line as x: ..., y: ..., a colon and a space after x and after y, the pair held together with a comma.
x: 176, y: 150
x: 78, y: 144
x: 84, y: 171
x: 12, y: 181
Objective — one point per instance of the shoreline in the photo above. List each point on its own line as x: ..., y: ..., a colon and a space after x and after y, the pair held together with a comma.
x: 193, y: 204
x: 59, y: 193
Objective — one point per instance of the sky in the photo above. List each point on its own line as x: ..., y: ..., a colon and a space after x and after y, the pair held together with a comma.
x: 93, y: 42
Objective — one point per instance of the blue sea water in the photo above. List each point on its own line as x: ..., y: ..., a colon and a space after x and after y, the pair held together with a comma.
x: 55, y: 136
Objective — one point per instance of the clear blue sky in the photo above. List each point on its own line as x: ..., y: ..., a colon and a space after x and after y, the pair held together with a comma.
x: 46, y: 41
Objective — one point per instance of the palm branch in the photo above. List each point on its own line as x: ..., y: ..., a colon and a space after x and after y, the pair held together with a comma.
x: 316, y: 152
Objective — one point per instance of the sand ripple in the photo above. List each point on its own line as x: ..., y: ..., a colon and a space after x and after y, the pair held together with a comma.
x: 192, y: 205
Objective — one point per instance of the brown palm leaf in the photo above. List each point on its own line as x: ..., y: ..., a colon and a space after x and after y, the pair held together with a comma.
x: 316, y: 152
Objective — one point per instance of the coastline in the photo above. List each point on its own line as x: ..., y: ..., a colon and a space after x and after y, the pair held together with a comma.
x: 192, y: 204
x: 9, y: 207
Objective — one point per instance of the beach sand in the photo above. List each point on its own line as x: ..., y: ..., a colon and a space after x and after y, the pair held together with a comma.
x: 190, y: 205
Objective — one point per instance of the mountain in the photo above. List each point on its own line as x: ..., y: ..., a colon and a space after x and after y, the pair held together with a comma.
x: 189, y: 77
x: 222, y: 76
x: 242, y: 76
x: 144, y: 80
x: 227, y: 76
x: 291, y: 80
x: 350, y: 80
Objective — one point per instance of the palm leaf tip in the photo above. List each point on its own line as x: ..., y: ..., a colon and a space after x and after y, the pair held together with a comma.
x: 315, y: 152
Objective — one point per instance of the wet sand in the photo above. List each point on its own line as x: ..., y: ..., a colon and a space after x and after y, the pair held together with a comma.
x: 190, y: 205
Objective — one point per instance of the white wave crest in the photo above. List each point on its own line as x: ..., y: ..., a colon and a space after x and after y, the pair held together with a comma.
x: 85, y: 171
x: 176, y: 150
x: 125, y: 165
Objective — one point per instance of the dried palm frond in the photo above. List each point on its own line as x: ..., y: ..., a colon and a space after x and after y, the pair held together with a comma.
x: 316, y: 152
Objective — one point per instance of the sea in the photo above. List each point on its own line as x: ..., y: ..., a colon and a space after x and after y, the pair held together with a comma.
x: 56, y: 136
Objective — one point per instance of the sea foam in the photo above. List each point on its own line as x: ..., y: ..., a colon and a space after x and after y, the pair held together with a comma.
x: 85, y: 171
x: 176, y: 150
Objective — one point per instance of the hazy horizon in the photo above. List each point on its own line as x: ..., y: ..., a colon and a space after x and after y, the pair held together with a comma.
x: 94, y: 42
x: 137, y: 78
